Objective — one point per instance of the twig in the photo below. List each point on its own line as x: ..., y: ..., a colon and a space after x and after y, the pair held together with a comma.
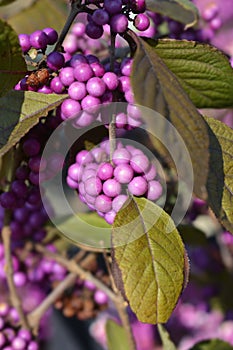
x: 35, y: 316
x: 108, y: 266
x: 15, y: 300
x: 117, y: 299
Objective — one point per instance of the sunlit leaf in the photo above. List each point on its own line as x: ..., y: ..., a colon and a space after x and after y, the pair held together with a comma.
x: 116, y: 336
x: 203, y: 71
x: 156, y: 87
x: 149, y: 260
x: 20, y: 111
x: 12, y: 63
x: 212, y: 344
x: 220, y: 177
x: 165, y: 337
x: 183, y: 11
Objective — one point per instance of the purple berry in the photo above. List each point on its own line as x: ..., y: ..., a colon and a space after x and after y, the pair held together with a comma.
x: 55, y: 60
x: 7, y: 200
x: 70, y: 108
x: 121, y: 156
x: 25, y: 334
x: 77, y: 90
x: 93, y: 186
x: 98, y: 69
x: 139, y: 5
x: 138, y: 186
x: 71, y: 183
x: 111, y: 188
x: 75, y: 172
x: 83, y: 72
x: 20, y: 279
x: 24, y: 41
x: 119, y: 23
x: 77, y: 59
x: 100, y: 17
x: 78, y: 29
x: 118, y: 202
x: 88, y: 102
x: 94, y: 31
x: 66, y: 76
x: 31, y: 147
x: 84, y: 157
x: 126, y: 66
x: 71, y: 43
x: 113, y: 7
x: 140, y: 163
x: 105, y: 171
x: 100, y: 297
x: 57, y: 86
x: 96, y: 87
x: 18, y: 344
x: 103, y: 203
x: 124, y: 83
x: 111, y: 80
x: 33, y: 346
x: 39, y: 40
x: 141, y: 22
x: 154, y: 190
x: 51, y: 35
x: 123, y: 173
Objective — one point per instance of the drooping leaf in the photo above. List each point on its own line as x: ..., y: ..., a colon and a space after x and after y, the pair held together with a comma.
x: 183, y: 11
x: 20, y: 111
x: 13, y: 65
x: 148, y: 260
x: 41, y: 14
x: 116, y: 336
x: 6, y: 2
x: 165, y: 337
x: 203, y: 71
x: 220, y: 177
x: 156, y: 87
x: 212, y: 344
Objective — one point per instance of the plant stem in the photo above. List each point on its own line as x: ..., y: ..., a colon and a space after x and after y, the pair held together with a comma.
x: 76, y: 8
x: 15, y: 299
x: 35, y: 316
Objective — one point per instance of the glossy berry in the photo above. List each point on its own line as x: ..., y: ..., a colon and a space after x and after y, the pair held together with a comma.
x: 52, y: 35
x: 39, y: 40
x: 113, y: 7
x: 138, y: 186
x: 119, y: 23
x: 94, y: 31
x: 24, y: 41
x: 141, y: 22
x: 96, y: 87
x: 55, y: 60
x: 100, y: 17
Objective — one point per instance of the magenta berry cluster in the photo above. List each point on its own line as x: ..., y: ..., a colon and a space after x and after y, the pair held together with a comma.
x: 11, y: 337
x: 103, y: 185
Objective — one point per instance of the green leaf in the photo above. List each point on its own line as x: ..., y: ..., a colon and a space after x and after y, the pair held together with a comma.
x: 6, y: 2
x: 156, y: 87
x: 213, y: 344
x: 165, y: 337
x: 220, y: 177
x: 13, y: 65
x: 203, y: 71
x: 20, y: 111
x: 116, y: 336
x: 183, y: 11
x: 148, y: 260
x: 86, y: 229
x: 54, y: 15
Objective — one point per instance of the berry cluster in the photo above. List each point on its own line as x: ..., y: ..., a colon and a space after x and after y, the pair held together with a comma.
x: 103, y: 185
x: 24, y: 197
x: 11, y: 337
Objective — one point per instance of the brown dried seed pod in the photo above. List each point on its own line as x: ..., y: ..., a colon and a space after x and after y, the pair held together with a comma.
x: 38, y: 78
